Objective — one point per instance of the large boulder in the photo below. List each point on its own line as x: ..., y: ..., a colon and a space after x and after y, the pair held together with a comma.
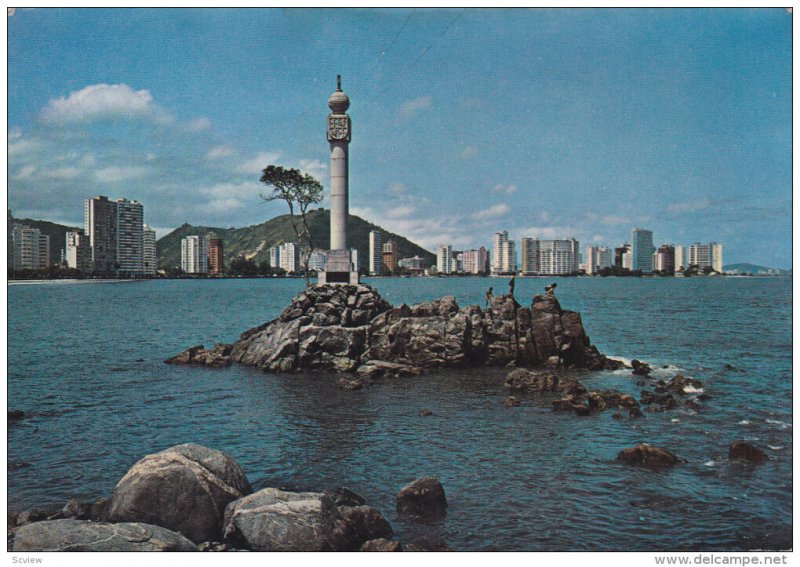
x: 744, y: 451
x: 275, y: 520
x: 184, y: 488
x: 647, y: 456
x: 424, y: 497
x: 382, y: 544
x: 83, y: 535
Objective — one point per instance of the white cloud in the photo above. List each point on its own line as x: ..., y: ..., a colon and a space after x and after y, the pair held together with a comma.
x: 219, y: 152
x: 468, y: 152
x: 198, y: 124
x: 25, y: 172
x: 598, y: 238
x: 549, y: 232
x: 689, y: 206
x: 245, y: 190
x: 614, y: 220
x: 115, y: 174
x: 14, y: 134
x: 399, y: 212
x: 63, y: 173
x: 255, y: 165
x: 426, y: 232
x: 101, y: 101
x: 398, y: 189
x: 411, y: 107
x: 495, y: 211
x: 21, y: 146
x: 504, y: 189
x: 315, y: 168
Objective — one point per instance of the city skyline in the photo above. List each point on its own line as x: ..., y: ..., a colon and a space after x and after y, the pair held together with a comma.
x: 548, y: 123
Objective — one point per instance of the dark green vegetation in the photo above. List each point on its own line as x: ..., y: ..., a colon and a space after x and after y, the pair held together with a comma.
x: 254, y: 241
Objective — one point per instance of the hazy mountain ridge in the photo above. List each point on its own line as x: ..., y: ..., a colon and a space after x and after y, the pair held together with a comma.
x: 254, y: 241
x: 746, y: 268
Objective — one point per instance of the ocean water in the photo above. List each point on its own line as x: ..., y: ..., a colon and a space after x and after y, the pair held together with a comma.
x: 86, y: 359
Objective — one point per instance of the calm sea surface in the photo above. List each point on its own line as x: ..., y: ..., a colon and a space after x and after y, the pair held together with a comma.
x: 86, y: 358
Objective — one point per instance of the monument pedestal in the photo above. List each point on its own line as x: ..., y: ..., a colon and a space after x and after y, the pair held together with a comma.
x: 338, y: 269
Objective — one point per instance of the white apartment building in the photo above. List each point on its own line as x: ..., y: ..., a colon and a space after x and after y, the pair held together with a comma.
x: 505, y: 255
x: 290, y: 257
x: 475, y: 261
x: 77, y: 253
x: 559, y: 256
x: 681, y: 258
x: 706, y: 255
x: 149, y: 255
x: 129, y: 237
x: 31, y: 248
x: 194, y: 255
x: 316, y: 261
x: 444, y: 259
x: 597, y: 258
x: 530, y: 256
x: 375, y: 253
x: 274, y: 256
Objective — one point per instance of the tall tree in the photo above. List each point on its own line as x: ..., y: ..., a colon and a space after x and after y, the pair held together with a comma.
x: 299, y: 191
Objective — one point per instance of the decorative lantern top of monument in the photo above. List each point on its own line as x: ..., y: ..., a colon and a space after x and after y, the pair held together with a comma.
x: 339, y: 102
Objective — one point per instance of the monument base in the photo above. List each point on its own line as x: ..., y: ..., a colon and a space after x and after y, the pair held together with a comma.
x: 338, y: 269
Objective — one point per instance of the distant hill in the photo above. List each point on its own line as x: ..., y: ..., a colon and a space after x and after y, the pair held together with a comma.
x: 745, y: 268
x: 254, y: 241
x: 56, y: 232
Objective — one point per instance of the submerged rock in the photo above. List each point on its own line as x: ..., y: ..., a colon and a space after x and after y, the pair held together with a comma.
x: 526, y: 380
x: 745, y: 451
x: 426, y: 543
x: 83, y: 535
x: 512, y: 402
x: 647, y: 456
x: 424, y: 497
x: 346, y: 328
x: 184, y: 488
x: 640, y: 368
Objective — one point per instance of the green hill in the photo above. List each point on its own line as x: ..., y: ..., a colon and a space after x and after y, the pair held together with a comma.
x: 56, y: 232
x: 254, y: 241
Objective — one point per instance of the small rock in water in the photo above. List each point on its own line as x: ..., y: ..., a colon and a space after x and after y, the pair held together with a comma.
x: 424, y: 496
x: 745, y: 451
x: 350, y: 385
x: 617, y: 415
x: 511, y: 402
x: 647, y: 456
x: 640, y: 368
x: 425, y: 413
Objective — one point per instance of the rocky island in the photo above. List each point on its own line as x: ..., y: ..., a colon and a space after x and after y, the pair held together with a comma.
x: 352, y: 329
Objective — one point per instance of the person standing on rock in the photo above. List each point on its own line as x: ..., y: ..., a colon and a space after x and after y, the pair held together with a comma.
x: 489, y: 296
x: 551, y: 289
x: 511, y: 283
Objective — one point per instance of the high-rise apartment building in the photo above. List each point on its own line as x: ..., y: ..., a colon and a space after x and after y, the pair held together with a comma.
x: 619, y: 254
x: 505, y: 254
x: 100, y: 217
x: 77, y: 252
x: 129, y: 233
x: 216, y: 264
x: 664, y: 259
x: 31, y: 248
x: 530, y: 256
x: 290, y: 257
x: 390, y: 255
x: 194, y: 254
x: 598, y: 258
x: 375, y: 253
x: 642, y: 249
x: 444, y: 259
x: 275, y: 256
x: 706, y: 256
x: 149, y: 252
x: 476, y: 261
x: 354, y: 260
x: 559, y: 256
x: 414, y: 264
x: 316, y: 261
x: 681, y: 258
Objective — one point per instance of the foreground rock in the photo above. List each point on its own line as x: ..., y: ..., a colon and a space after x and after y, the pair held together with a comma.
x: 648, y: 456
x: 423, y: 497
x: 82, y: 535
x: 382, y: 544
x: 746, y: 452
x: 276, y: 520
x: 184, y: 488
x: 350, y: 328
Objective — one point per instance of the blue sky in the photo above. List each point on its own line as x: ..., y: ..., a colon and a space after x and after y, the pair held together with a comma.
x: 548, y: 123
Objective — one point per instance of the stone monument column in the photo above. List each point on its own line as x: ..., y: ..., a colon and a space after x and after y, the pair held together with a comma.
x: 339, y: 267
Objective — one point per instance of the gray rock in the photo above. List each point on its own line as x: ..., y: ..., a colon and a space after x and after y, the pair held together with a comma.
x: 275, y: 520
x: 647, y: 456
x: 364, y: 523
x: 527, y: 380
x: 184, y: 488
x: 424, y: 497
x: 426, y: 543
x: 382, y: 544
x: 83, y: 535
